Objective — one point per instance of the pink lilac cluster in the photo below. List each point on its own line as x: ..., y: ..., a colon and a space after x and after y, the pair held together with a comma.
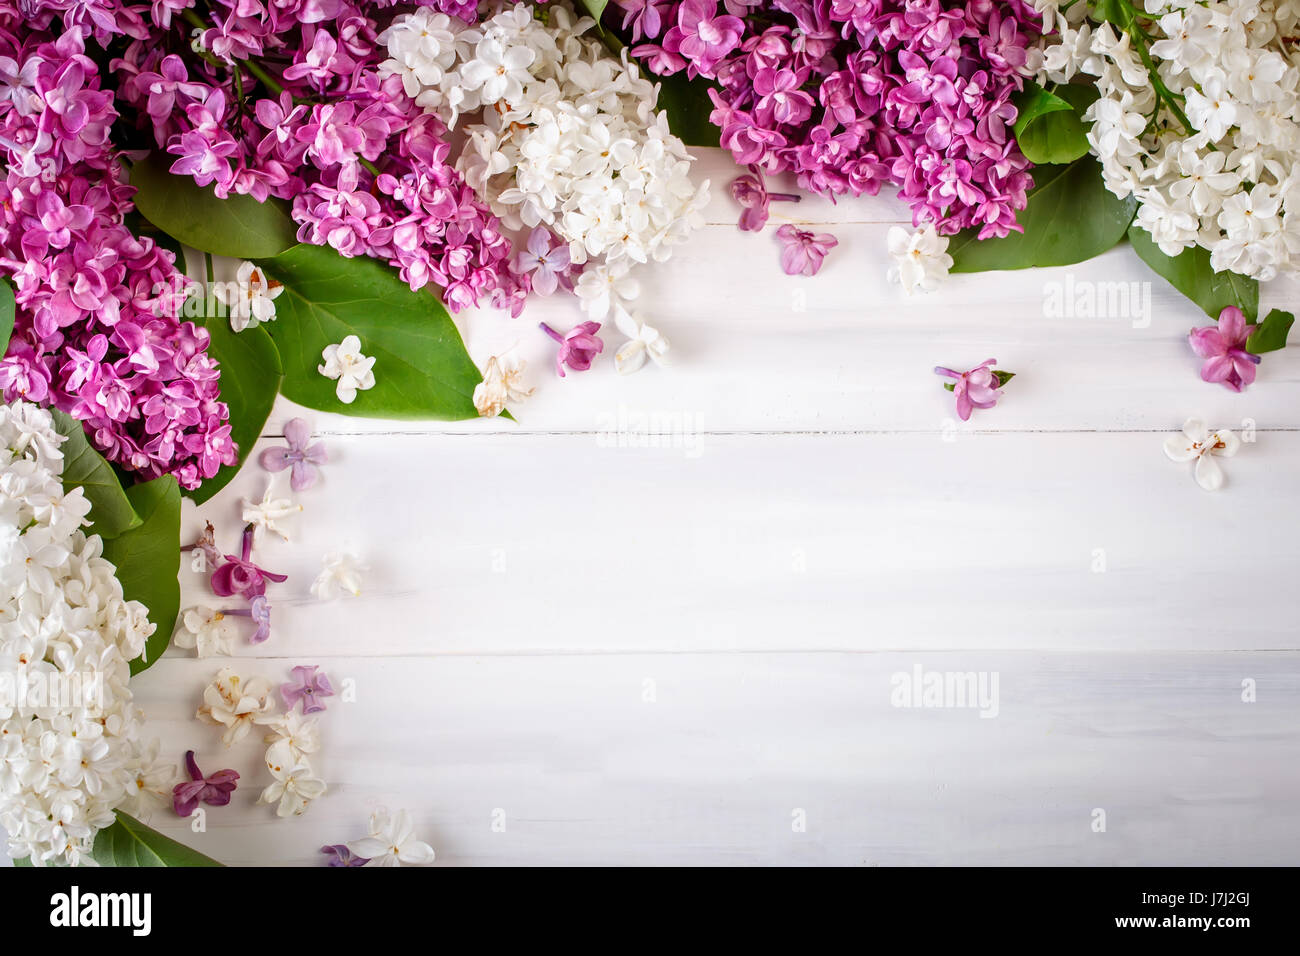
x: 96, y: 332
x: 851, y: 94
x: 283, y: 99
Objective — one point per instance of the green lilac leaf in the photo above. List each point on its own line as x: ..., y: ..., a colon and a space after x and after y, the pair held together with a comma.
x: 1052, y: 130
x: 128, y: 842
x: 8, y: 311
x: 1191, y: 274
x: 1070, y: 217
x: 111, y: 513
x: 251, y: 373
x: 238, y: 226
x: 422, y: 370
x: 687, y: 103
x: 148, y: 561
x: 1270, y: 335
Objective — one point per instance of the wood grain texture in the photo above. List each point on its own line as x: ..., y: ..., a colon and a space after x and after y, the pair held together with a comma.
x: 760, y: 538
x: 583, y: 769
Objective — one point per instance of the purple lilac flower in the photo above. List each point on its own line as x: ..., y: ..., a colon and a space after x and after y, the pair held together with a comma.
x: 701, y: 36
x: 1224, y: 349
x: 259, y: 611
x: 308, y: 686
x: 578, y: 347
x: 312, y: 122
x: 851, y: 94
x: 239, y: 575
x: 803, y: 252
x: 750, y: 191
x: 207, y: 543
x: 977, y: 388
x: 643, y: 17
x: 214, y: 790
x: 298, y: 455
x: 545, y: 263
x: 97, y: 331
x: 340, y: 855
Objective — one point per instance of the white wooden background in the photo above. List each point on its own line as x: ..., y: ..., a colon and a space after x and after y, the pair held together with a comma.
x: 812, y: 521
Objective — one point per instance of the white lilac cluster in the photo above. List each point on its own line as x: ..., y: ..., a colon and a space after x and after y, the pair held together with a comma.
x: 557, y: 134
x: 1226, y: 179
x: 70, y: 751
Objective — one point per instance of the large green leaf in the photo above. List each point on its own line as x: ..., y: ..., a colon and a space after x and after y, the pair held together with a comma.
x: 1070, y: 217
x: 251, y: 373
x: 595, y: 7
x: 148, y: 561
x: 1271, y: 333
x: 239, y: 226
x: 1050, y: 126
x: 1191, y: 274
x: 421, y: 370
x: 111, y: 513
x: 128, y: 842
x: 7, y: 311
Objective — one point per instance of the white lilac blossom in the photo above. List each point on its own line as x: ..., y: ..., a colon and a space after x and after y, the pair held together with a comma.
x: 1197, y: 443
x: 296, y: 731
x: 1219, y: 170
x: 643, y: 342
x: 341, y: 574
x: 292, y: 741
x: 557, y: 133
x: 920, y: 258
x: 295, y: 785
x: 70, y: 748
x: 392, y: 842
x: 150, y: 784
x: 500, y: 387
x: 607, y: 288
x: 207, y: 631
x: 236, y: 704
x: 266, y: 514
x: 250, y: 298
x: 353, y: 371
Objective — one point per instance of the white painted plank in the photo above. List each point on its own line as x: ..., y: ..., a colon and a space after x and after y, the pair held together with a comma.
x: 526, y: 544
x: 586, y: 770
x: 754, y: 349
